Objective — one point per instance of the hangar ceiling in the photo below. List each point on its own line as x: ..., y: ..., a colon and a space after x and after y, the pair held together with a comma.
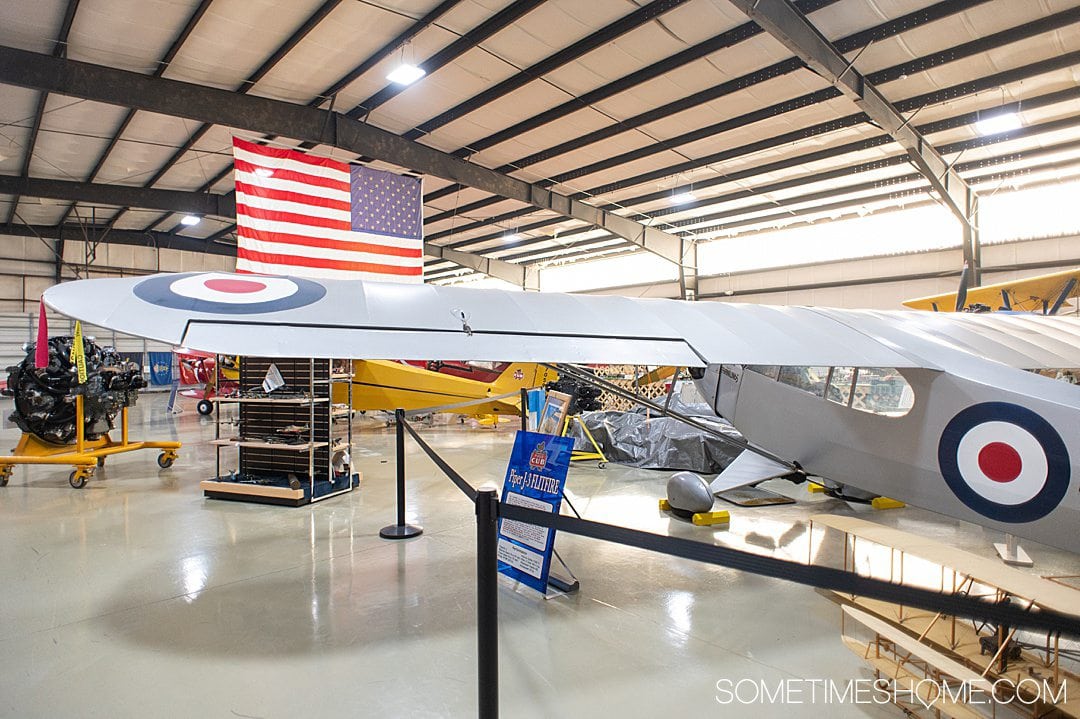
x: 682, y: 116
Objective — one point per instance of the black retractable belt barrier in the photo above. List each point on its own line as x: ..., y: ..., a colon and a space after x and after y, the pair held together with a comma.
x: 821, y: 577
x: 487, y: 603
x: 401, y: 530
x: 456, y: 478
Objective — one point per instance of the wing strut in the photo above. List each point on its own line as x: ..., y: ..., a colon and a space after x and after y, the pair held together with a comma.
x: 1065, y: 292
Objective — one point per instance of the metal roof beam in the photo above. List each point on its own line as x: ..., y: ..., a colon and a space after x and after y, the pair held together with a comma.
x: 500, y: 20
x: 264, y: 115
x: 931, y: 98
x: 639, y: 17
x: 59, y: 50
x: 196, y: 203
x: 788, y: 25
x: 854, y: 41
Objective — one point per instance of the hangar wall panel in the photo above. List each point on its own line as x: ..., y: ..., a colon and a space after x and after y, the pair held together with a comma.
x: 28, y: 266
x: 859, y: 283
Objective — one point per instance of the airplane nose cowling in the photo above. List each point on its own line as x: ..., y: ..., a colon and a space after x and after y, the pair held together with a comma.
x: 688, y: 493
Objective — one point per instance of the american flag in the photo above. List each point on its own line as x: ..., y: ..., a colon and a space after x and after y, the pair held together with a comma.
x: 309, y: 216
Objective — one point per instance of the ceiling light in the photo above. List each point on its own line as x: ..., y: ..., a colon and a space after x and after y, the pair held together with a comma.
x: 683, y: 198
x: 264, y: 172
x: 406, y: 74
x: 998, y: 123
x: 189, y: 220
x: 511, y: 238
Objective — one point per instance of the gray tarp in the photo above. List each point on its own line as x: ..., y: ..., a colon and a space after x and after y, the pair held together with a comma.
x: 653, y: 442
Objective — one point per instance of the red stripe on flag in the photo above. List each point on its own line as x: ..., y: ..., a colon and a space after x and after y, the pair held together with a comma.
x: 297, y: 261
x: 288, y: 196
x: 292, y: 175
x: 291, y: 217
x: 286, y: 238
x: 283, y: 154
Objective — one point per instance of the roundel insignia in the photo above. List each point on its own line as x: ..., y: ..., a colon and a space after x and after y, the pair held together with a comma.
x: 229, y: 294
x: 1004, y: 461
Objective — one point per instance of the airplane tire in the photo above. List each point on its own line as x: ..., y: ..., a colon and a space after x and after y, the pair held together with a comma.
x: 205, y: 407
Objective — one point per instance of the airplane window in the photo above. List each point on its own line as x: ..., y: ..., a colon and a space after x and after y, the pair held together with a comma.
x: 808, y: 379
x: 840, y: 385
x: 769, y: 370
x: 882, y: 390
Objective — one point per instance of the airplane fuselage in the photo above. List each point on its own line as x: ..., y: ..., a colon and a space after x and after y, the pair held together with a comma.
x: 1002, y: 452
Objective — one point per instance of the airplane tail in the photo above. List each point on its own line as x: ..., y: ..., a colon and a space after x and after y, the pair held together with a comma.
x: 523, y: 375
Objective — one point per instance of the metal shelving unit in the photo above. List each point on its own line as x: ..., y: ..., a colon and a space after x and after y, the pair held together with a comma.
x: 285, y: 446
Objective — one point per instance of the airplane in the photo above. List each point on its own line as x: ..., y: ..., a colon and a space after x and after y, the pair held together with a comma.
x: 937, y: 410
x: 454, y: 387
x: 935, y: 664
x: 202, y: 368
x: 1045, y: 294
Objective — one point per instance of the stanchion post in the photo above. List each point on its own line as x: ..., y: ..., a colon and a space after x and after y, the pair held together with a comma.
x: 401, y: 530
x: 524, y: 410
x: 487, y: 603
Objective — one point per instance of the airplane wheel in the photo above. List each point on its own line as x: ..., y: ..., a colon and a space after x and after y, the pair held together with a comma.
x: 165, y: 460
x: 205, y: 407
x: 78, y: 479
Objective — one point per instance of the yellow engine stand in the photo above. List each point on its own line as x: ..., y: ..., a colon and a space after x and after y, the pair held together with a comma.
x: 578, y: 455
x: 85, y: 455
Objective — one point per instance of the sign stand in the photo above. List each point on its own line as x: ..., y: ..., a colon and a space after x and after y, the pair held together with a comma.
x: 535, y: 478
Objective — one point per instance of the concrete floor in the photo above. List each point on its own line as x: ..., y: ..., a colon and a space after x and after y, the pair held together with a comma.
x: 138, y: 597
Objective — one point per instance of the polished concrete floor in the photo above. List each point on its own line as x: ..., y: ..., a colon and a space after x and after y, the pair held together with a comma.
x: 137, y: 597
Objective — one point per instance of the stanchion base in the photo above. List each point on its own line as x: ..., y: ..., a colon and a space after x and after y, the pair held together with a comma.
x: 400, y: 531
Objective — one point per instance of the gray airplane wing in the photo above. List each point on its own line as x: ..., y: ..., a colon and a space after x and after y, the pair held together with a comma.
x: 288, y: 316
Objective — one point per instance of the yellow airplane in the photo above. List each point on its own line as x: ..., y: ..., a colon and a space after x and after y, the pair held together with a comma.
x: 1044, y: 294
x: 384, y: 385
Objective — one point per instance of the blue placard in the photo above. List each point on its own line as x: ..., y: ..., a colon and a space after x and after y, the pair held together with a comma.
x: 160, y: 368
x: 535, y: 478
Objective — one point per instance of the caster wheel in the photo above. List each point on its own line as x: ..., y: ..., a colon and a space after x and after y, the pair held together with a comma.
x: 77, y: 480
x: 101, y: 461
x: 165, y: 460
x: 205, y: 407
x: 3, y: 481
x: 602, y: 465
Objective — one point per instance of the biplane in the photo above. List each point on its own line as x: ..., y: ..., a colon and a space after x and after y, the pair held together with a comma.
x: 1044, y: 294
x: 931, y: 664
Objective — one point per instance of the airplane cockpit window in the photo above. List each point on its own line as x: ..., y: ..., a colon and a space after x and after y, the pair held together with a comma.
x: 840, y: 382
x: 808, y: 379
x: 769, y: 370
x: 882, y: 390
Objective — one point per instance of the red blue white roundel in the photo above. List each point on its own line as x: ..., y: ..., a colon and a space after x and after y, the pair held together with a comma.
x: 1004, y: 461
x: 222, y: 293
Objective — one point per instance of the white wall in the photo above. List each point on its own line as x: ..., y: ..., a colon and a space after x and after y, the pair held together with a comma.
x: 874, y: 294
x: 28, y: 266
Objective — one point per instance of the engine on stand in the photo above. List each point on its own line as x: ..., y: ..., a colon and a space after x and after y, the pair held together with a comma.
x: 584, y: 397
x: 45, y: 398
